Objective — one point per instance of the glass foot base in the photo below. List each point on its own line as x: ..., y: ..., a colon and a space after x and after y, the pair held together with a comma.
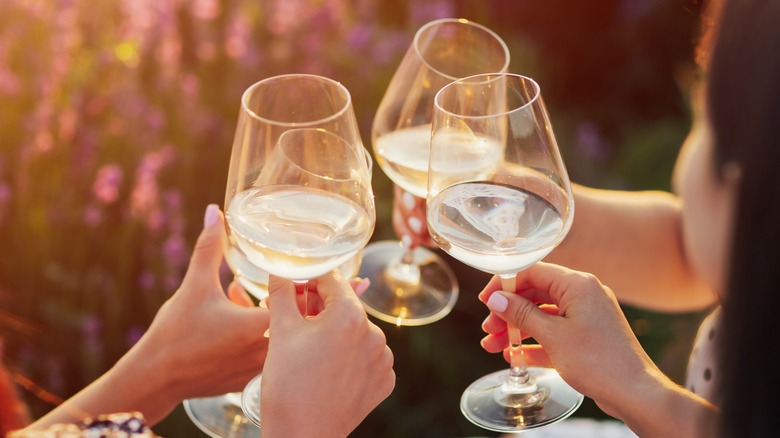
x: 484, y: 404
x: 400, y: 302
x: 250, y: 400
x: 220, y: 416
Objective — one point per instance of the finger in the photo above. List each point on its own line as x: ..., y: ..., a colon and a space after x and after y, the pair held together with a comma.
x: 495, y: 343
x: 534, y: 355
x: 536, y: 295
x: 551, y: 280
x: 493, y: 285
x: 207, y: 255
x: 518, y: 311
x: 493, y: 324
x: 313, y: 303
x: 360, y: 285
x: 238, y: 295
x: 334, y: 287
x: 282, y: 298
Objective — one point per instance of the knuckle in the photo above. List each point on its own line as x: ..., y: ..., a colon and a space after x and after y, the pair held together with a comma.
x: 521, y: 313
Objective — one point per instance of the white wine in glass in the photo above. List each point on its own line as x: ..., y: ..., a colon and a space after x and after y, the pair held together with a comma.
x: 222, y: 416
x: 413, y: 285
x: 501, y: 213
x: 298, y: 201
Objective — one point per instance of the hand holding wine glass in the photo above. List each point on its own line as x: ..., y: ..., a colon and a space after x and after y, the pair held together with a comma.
x: 299, y: 198
x: 499, y: 199
x: 323, y: 374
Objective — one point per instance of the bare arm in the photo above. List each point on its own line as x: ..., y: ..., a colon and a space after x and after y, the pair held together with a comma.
x: 199, y: 344
x: 632, y: 242
x: 590, y: 343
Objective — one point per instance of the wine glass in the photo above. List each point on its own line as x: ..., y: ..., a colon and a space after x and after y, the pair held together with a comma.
x: 499, y: 199
x: 221, y: 416
x: 413, y: 285
x: 299, y: 198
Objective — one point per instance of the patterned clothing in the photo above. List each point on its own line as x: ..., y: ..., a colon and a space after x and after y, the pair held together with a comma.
x: 701, y: 374
x: 123, y: 425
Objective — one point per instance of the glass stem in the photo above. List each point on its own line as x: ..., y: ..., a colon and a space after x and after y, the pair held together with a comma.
x: 408, y: 257
x: 305, y: 285
x: 519, y: 380
x: 405, y: 272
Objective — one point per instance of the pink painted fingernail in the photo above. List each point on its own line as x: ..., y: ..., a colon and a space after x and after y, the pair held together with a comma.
x: 497, y: 303
x: 362, y: 286
x: 212, y: 213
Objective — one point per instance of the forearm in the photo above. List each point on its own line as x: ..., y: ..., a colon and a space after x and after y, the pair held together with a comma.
x: 134, y: 383
x: 662, y: 409
x: 632, y: 241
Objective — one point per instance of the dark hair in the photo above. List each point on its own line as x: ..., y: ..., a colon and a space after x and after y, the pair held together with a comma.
x: 743, y: 98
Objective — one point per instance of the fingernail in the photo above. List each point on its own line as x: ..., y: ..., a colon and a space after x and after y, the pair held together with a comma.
x: 212, y: 213
x: 267, y: 333
x: 497, y: 303
x: 362, y: 286
x: 407, y: 240
x: 415, y: 224
x: 408, y: 200
x: 482, y: 326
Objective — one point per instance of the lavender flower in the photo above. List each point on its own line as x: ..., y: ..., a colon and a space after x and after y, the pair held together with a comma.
x: 107, y: 183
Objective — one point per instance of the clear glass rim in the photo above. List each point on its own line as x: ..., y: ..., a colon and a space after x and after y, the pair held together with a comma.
x: 336, y: 84
x: 359, y: 151
x: 486, y: 78
x: 440, y: 21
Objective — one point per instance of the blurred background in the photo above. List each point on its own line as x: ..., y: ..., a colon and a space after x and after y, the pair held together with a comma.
x: 116, y: 122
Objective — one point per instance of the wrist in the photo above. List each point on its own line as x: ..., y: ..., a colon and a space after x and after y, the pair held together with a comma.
x: 655, y: 406
x: 146, y: 382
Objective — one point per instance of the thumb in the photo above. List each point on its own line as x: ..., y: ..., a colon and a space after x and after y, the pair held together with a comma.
x: 282, y: 298
x: 207, y: 255
x: 519, y: 312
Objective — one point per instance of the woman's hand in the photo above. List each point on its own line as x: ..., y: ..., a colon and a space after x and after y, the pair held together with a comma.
x: 590, y: 343
x: 324, y: 373
x: 580, y: 324
x: 199, y: 344
x: 205, y: 344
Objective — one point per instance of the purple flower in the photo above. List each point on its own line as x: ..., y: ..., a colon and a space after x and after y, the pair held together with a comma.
x: 423, y: 12
x: 175, y: 251
x: 146, y: 280
x: 145, y: 197
x: 360, y: 37
x: 90, y: 326
x: 205, y: 10
x: 172, y: 282
x: 5, y: 196
x: 107, y: 182
x: 9, y: 83
x: 93, y: 215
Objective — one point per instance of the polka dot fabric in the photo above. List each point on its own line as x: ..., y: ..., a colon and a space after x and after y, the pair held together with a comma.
x: 701, y: 373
